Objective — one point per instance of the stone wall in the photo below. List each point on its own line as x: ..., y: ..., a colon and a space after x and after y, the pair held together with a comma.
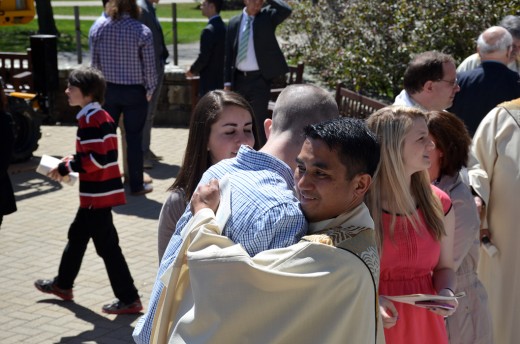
x: 174, y: 106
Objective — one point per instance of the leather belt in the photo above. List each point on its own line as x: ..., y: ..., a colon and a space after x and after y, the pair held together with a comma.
x: 248, y: 73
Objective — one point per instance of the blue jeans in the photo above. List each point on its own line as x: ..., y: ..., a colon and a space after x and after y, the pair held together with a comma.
x: 131, y: 101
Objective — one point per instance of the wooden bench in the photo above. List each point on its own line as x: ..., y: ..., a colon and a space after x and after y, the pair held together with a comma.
x: 353, y: 104
x: 295, y: 76
x: 16, y: 71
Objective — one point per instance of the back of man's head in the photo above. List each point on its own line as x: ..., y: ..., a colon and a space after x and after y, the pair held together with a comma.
x: 217, y: 4
x: 356, y: 145
x: 424, y: 67
x: 511, y: 24
x: 493, y: 42
x: 298, y: 106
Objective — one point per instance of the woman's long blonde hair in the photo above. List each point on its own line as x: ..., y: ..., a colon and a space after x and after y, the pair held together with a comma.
x: 390, y: 125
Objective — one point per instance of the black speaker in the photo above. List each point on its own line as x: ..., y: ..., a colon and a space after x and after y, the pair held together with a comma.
x: 44, y: 53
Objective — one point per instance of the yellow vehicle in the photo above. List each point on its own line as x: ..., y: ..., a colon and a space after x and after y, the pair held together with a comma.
x: 14, y: 12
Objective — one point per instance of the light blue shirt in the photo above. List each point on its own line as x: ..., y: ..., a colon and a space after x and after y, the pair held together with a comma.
x: 264, y: 215
x: 250, y: 63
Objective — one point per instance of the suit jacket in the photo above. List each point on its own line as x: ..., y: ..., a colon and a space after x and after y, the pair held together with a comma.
x: 483, y: 88
x: 268, y: 53
x: 210, y: 63
x: 148, y: 18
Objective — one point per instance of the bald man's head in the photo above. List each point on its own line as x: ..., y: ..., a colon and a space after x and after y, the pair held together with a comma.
x: 300, y: 105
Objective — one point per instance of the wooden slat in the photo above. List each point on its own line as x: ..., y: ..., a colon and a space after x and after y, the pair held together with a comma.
x: 353, y: 104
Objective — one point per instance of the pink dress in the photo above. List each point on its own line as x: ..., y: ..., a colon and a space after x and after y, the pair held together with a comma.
x: 407, y: 263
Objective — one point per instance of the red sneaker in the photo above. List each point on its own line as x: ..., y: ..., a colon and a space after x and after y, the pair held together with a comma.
x: 49, y: 287
x: 119, y: 307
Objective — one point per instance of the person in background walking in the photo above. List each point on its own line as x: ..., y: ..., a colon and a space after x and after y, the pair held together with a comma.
x: 148, y: 18
x: 100, y: 189
x: 210, y: 62
x: 122, y: 49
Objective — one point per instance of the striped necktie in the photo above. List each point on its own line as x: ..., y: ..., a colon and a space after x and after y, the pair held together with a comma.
x: 244, y: 40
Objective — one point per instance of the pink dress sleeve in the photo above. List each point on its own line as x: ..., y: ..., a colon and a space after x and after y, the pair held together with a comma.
x: 444, y: 198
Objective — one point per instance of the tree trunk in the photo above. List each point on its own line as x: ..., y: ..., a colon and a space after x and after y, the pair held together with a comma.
x: 46, y: 24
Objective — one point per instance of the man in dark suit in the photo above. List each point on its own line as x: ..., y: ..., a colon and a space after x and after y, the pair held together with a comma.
x: 210, y: 62
x: 253, y: 56
x: 490, y: 84
x: 148, y: 18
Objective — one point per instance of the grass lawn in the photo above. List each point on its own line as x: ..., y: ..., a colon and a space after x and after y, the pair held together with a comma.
x: 16, y: 38
x: 184, y: 10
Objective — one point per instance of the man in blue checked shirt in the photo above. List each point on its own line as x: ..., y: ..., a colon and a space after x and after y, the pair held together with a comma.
x: 264, y: 211
x: 122, y: 48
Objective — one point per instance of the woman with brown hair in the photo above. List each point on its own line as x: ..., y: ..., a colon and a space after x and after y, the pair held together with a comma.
x: 222, y: 121
x: 472, y: 323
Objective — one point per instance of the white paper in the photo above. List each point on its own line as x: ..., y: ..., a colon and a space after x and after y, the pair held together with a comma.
x: 436, y: 300
x: 47, y: 163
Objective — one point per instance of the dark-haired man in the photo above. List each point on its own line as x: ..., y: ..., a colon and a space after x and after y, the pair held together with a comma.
x: 334, y: 171
x: 253, y: 56
x: 148, y: 18
x: 430, y: 82
x: 265, y: 213
x: 210, y: 62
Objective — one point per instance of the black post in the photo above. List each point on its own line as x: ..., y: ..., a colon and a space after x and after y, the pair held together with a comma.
x: 78, y: 34
x: 44, y: 55
x: 174, y: 31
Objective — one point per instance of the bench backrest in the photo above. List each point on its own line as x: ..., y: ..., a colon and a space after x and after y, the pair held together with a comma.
x: 353, y: 104
x: 16, y: 68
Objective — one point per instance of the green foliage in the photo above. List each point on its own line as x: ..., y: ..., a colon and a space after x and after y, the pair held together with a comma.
x: 368, y: 43
x: 16, y: 38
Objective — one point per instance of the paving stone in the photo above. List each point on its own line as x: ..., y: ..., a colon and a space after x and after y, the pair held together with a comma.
x: 33, y: 239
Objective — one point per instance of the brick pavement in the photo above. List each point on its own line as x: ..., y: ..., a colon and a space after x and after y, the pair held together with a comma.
x: 33, y: 238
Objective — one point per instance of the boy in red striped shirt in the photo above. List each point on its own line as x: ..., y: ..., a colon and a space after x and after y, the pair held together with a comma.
x: 100, y: 188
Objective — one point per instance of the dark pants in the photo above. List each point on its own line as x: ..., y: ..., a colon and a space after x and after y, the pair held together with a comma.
x: 257, y: 92
x: 131, y: 101
x: 96, y: 224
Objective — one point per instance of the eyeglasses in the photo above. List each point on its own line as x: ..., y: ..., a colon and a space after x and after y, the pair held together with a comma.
x: 453, y: 83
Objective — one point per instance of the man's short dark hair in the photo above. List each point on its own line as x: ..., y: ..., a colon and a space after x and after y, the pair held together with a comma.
x: 90, y: 81
x: 424, y: 67
x: 217, y: 4
x: 357, y: 146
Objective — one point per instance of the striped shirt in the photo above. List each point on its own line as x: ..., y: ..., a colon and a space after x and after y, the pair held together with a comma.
x: 264, y: 215
x: 123, y: 50
x: 100, y: 183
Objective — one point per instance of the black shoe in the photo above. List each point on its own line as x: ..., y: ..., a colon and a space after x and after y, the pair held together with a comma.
x: 50, y: 287
x: 119, y: 307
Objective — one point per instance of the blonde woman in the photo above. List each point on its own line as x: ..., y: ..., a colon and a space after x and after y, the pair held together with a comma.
x: 415, y: 225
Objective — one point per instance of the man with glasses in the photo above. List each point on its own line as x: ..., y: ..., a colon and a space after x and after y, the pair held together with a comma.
x: 430, y: 82
x: 491, y: 83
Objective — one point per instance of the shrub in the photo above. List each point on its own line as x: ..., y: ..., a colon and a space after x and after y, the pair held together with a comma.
x: 368, y: 43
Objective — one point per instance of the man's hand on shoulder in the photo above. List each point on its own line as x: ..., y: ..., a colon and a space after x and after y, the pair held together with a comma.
x: 206, y: 196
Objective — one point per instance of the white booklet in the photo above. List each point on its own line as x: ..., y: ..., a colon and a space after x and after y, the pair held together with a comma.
x: 47, y: 163
x: 426, y: 300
